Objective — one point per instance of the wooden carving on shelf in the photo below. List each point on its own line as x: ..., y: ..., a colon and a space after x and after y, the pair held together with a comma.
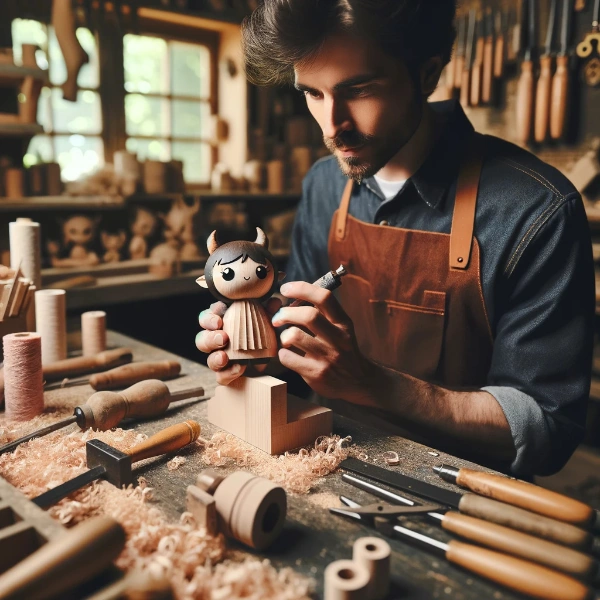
x: 113, y: 244
x: 142, y: 228
x: 243, y: 274
x: 78, y: 234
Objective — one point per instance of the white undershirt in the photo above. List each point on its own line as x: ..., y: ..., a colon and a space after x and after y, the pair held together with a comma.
x: 389, y: 188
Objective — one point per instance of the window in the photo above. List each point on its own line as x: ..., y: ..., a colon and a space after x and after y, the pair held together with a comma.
x: 71, y: 129
x: 167, y: 102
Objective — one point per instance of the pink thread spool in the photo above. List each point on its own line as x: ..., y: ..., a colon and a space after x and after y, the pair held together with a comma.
x: 23, y: 377
x: 93, y: 332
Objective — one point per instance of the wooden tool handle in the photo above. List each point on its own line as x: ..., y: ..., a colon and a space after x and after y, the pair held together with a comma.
x: 525, y: 102
x: 499, y: 57
x: 105, y: 410
x: 523, y: 545
x: 560, y: 88
x: 465, y: 87
x: 60, y: 565
x: 528, y: 496
x: 450, y: 74
x: 168, y: 440
x: 458, y: 71
x: 488, y: 67
x: 87, y: 364
x: 476, y: 74
x: 517, y: 574
x: 542, y: 99
x: 132, y: 373
x: 524, y: 520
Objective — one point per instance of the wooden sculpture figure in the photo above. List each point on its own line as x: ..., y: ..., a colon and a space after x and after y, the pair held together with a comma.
x: 142, y: 228
x: 112, y: 244
x: 78, y: 234
x: 256, y: 409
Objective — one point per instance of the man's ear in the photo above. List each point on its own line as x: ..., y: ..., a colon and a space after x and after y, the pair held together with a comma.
x: 430, y: 75
x: 281, y: 276
x: 201, y: 281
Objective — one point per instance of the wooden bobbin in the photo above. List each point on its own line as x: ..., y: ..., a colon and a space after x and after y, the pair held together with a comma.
x: 51, y: 324
x: 374, y: 554
x: 346, y: 580
x: 93, y: 332
x: 250, y: 509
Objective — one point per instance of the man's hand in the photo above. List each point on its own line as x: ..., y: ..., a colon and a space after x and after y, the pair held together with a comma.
x: 213, y: 339
x: 331, y: 364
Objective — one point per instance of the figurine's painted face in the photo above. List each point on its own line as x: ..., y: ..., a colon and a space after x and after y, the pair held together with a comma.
x: 242, y: 278
x: 79, y: 230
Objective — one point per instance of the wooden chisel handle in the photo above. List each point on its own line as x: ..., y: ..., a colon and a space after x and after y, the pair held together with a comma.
x: 81, y: 365
x: 542, y: 99
x: 168, y: 440
x: 499, y: 57
x: 560, y: 88
x: 526, y: 521
x: 465, y: 86
x: 525, y: 546
x: 476, y: 74
x: 528, y: 496
x: 517, y: 574
x: 488, y: 67
x: 525, y: 102
x: 126, y: 375
x: 65, y: 562
x: 458, y: 71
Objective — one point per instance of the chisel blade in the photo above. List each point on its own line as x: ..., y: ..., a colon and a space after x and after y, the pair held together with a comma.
x: 47, y: 499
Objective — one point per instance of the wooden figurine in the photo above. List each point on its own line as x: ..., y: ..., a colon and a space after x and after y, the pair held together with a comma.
x: 113, y: 243
x: 258, y: 410
x: 142, y: 228
x: 179, y: 231
x: 78, y: 234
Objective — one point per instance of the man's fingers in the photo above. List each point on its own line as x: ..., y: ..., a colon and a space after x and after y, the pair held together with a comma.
x: 272, y: 305
x: 323, y: 299
x: 226, y: 376
x: 210, y: 320
x: 209, y: 341
x: 305, y: 366
x: 296, y: 338
x: 217, y: 360
x: 310, y: 318
x: 218, y: 308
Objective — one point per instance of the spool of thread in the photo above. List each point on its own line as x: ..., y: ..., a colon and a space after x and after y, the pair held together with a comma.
x: 346, y: 580
x: 25, y: 249
x: 23, y: 377
x: 373, y: 553
x: 50, y: 318
x: 93, y: 332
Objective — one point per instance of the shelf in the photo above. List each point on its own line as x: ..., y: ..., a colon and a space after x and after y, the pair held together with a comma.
x: 12, y: 75
x: 20, y: 129
x: 84, y: 203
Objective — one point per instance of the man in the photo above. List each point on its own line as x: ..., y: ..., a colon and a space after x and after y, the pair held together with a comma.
x: 467, y: 313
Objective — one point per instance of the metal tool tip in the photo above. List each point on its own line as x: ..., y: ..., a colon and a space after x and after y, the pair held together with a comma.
x: 437, y: 469
x: 341, y: 270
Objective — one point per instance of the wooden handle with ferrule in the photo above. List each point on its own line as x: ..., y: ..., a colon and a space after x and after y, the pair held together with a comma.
x: 458, y: 71
x: 488, y: 68
x: 81, y: 365
x: 520, y: 544
x: 542, y: 99
x: 525, y: 102
x: 168, y: 440
x: 449, y: 75
x: 528, y: 496
x: 517, y: 574
x: 63, y: 563
x: 126, y: 375
x: 499, y: 57
x: 465, y: 87
x: 526, y: 521
x: 560, y: 89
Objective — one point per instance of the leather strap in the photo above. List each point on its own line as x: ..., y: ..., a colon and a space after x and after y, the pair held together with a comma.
x: 342, y: 212
x: 463, y: 219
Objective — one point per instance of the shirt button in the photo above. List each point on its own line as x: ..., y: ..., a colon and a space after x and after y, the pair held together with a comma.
x: 384, y: 223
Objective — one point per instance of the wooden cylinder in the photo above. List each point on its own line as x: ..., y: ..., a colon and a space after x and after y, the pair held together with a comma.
x: 560, y: 89
x: 93, y: 332
x: 374, y: 553
x: 51, y: 324
x: 53, y: 179
x: 346, y: 580
x: 155, y: 177
x: 488, y: 68
x: 499, y: 57
x: 25, y: 249
x: 14, y: 182
x: 275, y: 177
x: 542, y: 99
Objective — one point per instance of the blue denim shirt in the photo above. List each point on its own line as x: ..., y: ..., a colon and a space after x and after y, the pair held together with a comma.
x: 536, y: 269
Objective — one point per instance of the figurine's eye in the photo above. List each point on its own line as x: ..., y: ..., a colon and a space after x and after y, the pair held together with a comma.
x: 228, y: 274
x: 261, y: 272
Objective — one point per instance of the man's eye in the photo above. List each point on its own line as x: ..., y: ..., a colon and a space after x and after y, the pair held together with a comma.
x: 312, y: 94
x: 228, y: 274
x: 261, y: 272
x: 356, y: 92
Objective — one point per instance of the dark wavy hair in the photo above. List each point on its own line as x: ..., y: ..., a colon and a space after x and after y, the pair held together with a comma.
x: 282, y: 33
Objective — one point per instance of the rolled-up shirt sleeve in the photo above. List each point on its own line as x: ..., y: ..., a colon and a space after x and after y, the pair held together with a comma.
x: 541, y: 364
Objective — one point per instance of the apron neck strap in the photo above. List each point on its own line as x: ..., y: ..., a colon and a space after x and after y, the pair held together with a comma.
x: 342, y: 212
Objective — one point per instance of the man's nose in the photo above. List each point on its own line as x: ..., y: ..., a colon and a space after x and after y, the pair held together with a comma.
x: 335, y: 118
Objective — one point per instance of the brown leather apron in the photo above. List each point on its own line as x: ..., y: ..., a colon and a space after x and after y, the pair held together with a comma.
x: 415, y: 297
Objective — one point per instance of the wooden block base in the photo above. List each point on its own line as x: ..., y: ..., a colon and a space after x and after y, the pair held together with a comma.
x: 261, y: 412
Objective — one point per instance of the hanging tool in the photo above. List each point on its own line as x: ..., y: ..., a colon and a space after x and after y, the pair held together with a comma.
x: 591, y: 72
x: 111, y: 464
x: 465, y: 81
x: 544, y: 83
x: 500, y: 44
x: 477, y: 68
x: 525, y: 495
x: 478, y: 506
x: 105, y: 410
x: 488, y: 58
x: 65, y: 562
x: 514, y: 573
x: 586, y: 47
x: 497, y: 537
x: 525, y: 88
x: 560, y: 81
x: 460, y: 51
x: 124, y: 375
x: 579, y: 5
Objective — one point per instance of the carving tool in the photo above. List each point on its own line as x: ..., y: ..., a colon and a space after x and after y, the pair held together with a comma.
x: 488, y: 57
x: 524, y: 495
x: 500, y: 45
x: 460, y: 51
x: 525, y: 88
x: 465, y: 81
x: 586, y: 47
x: 481, y: 507
x: 67, y: 561
x: 115, y: 466
x: 514, y: 573
x: 560, y: 81
x: 544, y: 83
x: 494, y: 536
x: 477, y: 68
x: 330, y: 281
x: 124, y: 375
x: 105, y: 410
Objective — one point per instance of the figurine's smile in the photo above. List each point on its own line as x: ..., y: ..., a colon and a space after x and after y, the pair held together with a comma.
x: 247, y: 278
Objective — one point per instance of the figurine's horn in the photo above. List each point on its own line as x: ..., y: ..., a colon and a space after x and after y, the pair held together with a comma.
x: 212, y: 243
x: 261, y: 238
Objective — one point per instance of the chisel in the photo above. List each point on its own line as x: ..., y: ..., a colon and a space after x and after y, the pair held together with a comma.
x: 488, y: 58
x: 480, y: 507
x: 460, y: 51
x: 499, y: 48
x: 524, y: 495
x: 111, y: 464
x: 465, y: 80
x: 525, y: 87
x: 105, y: 410
x: 477, y: 68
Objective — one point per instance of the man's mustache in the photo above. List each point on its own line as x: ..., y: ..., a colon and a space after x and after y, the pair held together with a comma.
x: 348, y: 139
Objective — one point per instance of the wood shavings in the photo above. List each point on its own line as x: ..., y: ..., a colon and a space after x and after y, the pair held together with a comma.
x: 391, y: 458
x: 434, y: 453
x: 363, y: 456
x: 176, y: 462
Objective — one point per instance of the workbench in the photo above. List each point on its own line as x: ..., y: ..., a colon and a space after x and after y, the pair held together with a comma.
x: 312, y: 537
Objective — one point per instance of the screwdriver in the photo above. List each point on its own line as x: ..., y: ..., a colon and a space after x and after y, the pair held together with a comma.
x: 105, y: 410
x: 124, y: 375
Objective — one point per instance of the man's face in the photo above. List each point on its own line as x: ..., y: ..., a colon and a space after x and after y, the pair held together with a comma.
x: 364, y: 101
